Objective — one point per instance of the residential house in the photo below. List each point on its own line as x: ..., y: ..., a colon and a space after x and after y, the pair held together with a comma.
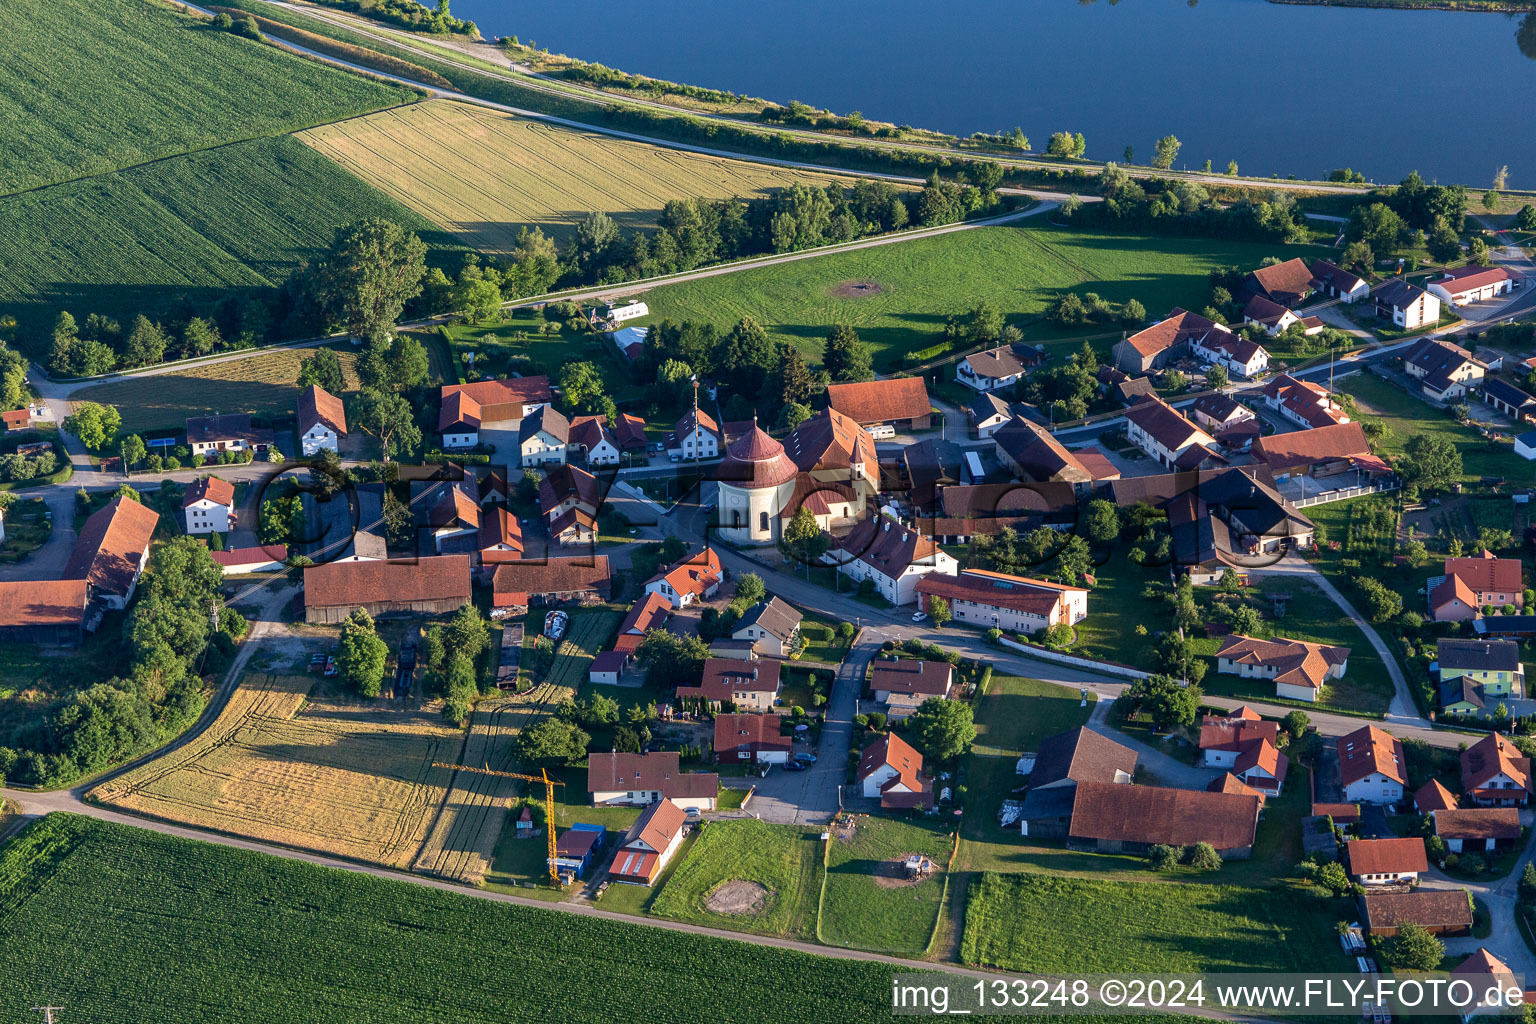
x: 1489, y: 979
x: 1473, y: 283
x: 50, y: 613
x: 1064, y: 762
x: 755, y: 739
x: 643, y: 779
x: 696, y: 436
x: 1440, y: 911
x: 501, y: 536
x: 892, y: 772
x: 454, y: 519
x: 1494, y: 773
x: 1406, y: 305
x: 743, y: 685
x: 893, y: 557
x: 900, y: 401
x: 1029, y: 451
x: 995, y: 600
x: 434, y: 585
x: 487, y: 404
x: 1321, y: 453
x: 569, y: 487
x: 239, y: 561
x: 650, y: 844
x: 1338, y: 283
x: 1477, y: 829
x: 772, y: 626
x: 551, y: 581
x: 543, y: 437
x: 1461, y: 696
x: 322, y: 421
x: 1222, y: 738
x: 111, y: 551
x: 1445, y: 371
x: 1490, y: 667
x: 997, y: 368
x: 1433, y: 796
x: 491, y: 489
x: 987, y: 413
x: 648, y: 613
x: 573, y: 526
x: 1470, y: 584
x: 629, y: 432
x: 1302, y: 402
x: 1386, y: 861
x: 1217, y: 412
x: 209, y: 435
x: 1162, y: 432
x: 597, y: 444
x: 694, y: 578
x: 903, y: 684
x: 1298, y: 669
x: 1285, y: 283
x: 1151, y: 348
x: 209, y: 505
x: 1372, y: 768
x: 1508, y: 399
x: 1241, y: 358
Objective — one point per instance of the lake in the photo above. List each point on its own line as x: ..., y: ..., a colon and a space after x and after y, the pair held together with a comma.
x: 1283, y: 89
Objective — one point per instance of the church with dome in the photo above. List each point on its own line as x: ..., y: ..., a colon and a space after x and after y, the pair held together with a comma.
x: 827, y: 464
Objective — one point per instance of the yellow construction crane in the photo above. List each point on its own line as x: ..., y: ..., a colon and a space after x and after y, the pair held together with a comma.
x: 549, y: 802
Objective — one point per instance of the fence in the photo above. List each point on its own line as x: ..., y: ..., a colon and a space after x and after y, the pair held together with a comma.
x: 1108, y: 668
x: 1348, y: 492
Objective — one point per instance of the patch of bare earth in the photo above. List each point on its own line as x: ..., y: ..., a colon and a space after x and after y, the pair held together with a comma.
x: 738, y: 898
x: 892, y: 874
x: 855, y: 289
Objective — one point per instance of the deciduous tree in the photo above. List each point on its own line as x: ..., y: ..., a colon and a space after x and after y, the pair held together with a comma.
x: 942, y: 729
x: 361, y: 654
x: 371, y: 270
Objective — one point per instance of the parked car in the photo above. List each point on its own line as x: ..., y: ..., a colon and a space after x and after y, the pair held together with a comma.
x: 331, y: 668
x: 919, y: 616
x: 805, y: 757
x: 795, y: 766
x: 655, y: 446
x: 317, y: 663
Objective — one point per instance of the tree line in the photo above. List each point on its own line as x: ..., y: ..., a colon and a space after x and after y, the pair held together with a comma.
x: 1185, y: 207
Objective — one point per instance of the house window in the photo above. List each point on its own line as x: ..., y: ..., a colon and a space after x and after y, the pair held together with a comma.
x: 762, y: 521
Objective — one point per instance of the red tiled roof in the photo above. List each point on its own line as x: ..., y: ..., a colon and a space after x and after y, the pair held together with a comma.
x: 1097, y: 464
x: 1368, y: 750
x: 1386, y: 856
x: 629, y: 431
x: 1166, y: 424
x: 15, y: 419
x: 760, y: 732
x: 1296, y: 662
x: 1019, y: 593
x: 591, y: 431
x: 435, y: 578
x: 1478, y: 823
x: 111, y: 542
x: 892, y: 751
x: 220, y: 492
x: 650, y: 612
x: 1226, y: 782
x: 887, y: 546
x: 317, y: 405
x: 693, y: 574
x: 724, y: 677
x: 658, y: 771
x: 1338, y: 812
x: 1465, y: 279
x: 454, y: 507
x: 1153, y: 814
x: 1328, y: 273
x: 830, y: 440
x: 909, y: 675
x: 1433, y: 908
x: 1230, y: 734
x: 42, y: 602
x: 881, y: 401
x: 459, y: 408
x: 755, y: 460
x: 1433, y: 796
x: 1291, y: 278
x: 491, y: 400
x: 515, y: 580
x: 1452, y: 588
x: 1304, y: 447
x: 1489, y: 757
x: 251, y: 556
x: 566, y: 482
x: 499, y: 526
x: 1485, y: 572
x: 1180, y: 326
x: 658, y: 826
x: 1265, y: 756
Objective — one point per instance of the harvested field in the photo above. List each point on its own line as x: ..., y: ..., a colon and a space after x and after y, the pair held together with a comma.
x: 738, y: 898
x: 320, y: 774
x: 484, y: 175
x: 261, y: 383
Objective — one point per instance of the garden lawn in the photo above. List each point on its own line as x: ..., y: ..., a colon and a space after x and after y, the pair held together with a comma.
x: 1116, y: 607
x: 784, y: 859
x: 1018, y: 267
x: 109, y: 899
x: 1407, y: 415
x: 490, y: 348
x: 868, y: 904
x: 1032, y: 922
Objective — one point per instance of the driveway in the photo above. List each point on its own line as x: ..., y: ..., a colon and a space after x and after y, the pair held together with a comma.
x: 48, y: 561
x: 1170, y: 771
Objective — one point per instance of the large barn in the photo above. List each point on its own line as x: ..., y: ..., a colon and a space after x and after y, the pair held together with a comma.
x: 427, y: 586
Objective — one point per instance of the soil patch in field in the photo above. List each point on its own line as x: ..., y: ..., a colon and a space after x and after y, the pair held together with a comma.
x: 892, y: 874
x: 855, y: 289
x: 738, y: 898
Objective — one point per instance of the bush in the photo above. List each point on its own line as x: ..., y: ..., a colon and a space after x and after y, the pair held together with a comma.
x: 1162, y: 857
x: 1203, y: 857
x: 877, y: 720
x: 1473, y: 864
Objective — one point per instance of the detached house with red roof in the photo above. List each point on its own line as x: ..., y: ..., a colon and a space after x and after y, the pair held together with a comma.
x: 1302, y: 402
x: 1161, y: 431
x: 750, y: 685
x: 892, y: 772
x: 1386, y: 861
x: 322, y: 421
x: 1299, y: 669
x: 467, y: 408
x: 904, y: 684
x: 650, y: 844
x: 1495, y: 774
x: 1469, y: 584
x: 112, y: 550
x: 695, y: 578
x: 1286, y: 283
x: 620, y: 779
x: 1246, y: 748
x: 900, y: 401
x: 1477, y: 829
x: 209, y: 505
x: 1016, y: 604
x: 1372, y: 767
x: 1240, y: 357
x: 998, y: 368
x: 750, y: 739
x: 892, y: 556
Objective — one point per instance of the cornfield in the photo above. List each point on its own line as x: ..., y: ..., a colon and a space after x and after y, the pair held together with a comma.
x: 484, y: 175
x: 333, y: 777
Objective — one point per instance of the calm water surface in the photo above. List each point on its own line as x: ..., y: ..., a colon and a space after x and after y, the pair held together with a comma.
x: 1282, y: 89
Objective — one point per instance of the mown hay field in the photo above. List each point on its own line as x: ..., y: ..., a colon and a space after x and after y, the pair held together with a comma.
x: 484, y: 175
x: 784, y: 860
x: 92, y: 87
x: 121, y: 925
x: 869, y: 902
x: 263, y: 382
x: 319, y: 774
x: 136, y: 241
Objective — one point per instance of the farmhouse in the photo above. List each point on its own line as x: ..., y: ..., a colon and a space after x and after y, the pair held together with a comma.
x: 1162, y: 432
x: 1441, y: 911
x: 892, y: 772
x: 1321, y: 453
x: 209, y: 505
x: 904, y: 684
x: 469, y: 408
x: 996, y: 600
x: 566, y: 488
x: 1299, y: 669
x: 1064, y: 762
x: 1302, y: 402
x: 1444, y: 371
x: 1471, y: 583
x: 233, y: 433
x: 1406, y: 305
x: 435, y: 585
x: 1386, y: 861
x: 696, y: 436
x: 1494, y: 773
x: 827, y: 464
x: 596, y: 444
x: 322, y: 421
x: 1491, y: 666
x: 1338, y: 283
x: 1240, y: 357
x: 649, y: 845
x: 997, y: 368
x: 772, y: 627
x: 1112, y: 818
x: 899, y: 401
x: 751, y: 685
x: 551, y: 581
x: 694, y: 578
x: 643, y: 779
x: 1433, y: 796
x: 1286, y: 283
x: 1030, y: 451
x: 46, y: 612
x: 543, y: 437
x: 1151, y: 348
x: 891, y: 556
x: 1508, y: 399
x: 1473, y: 283
x: 1223, y: 738
x: 501, y: 536
x: 1477, y: 829
x: 111, y: 550
x: 756, y: 739
x: 1372, y: 768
